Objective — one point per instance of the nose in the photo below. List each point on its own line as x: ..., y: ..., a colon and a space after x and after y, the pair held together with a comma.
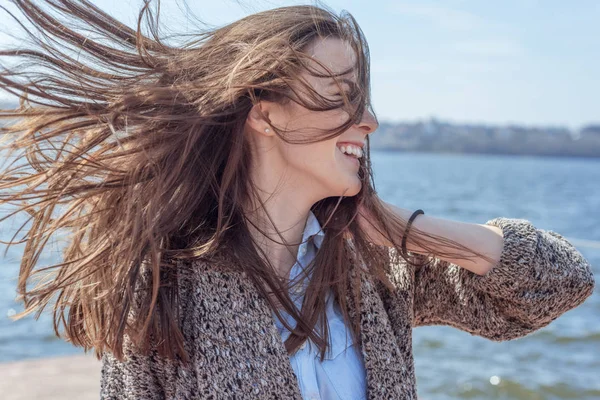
x: 368, y: 122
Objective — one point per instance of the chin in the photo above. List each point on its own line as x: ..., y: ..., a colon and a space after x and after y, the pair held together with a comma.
x: 352, y: 188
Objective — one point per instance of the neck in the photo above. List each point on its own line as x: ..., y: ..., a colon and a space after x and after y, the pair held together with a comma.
x: 287, y: 210
x: 287, y: 198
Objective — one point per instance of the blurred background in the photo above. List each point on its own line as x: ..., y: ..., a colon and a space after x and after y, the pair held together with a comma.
x: 487, y: 109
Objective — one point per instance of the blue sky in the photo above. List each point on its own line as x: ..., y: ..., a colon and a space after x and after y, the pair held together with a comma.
x: 527, y: 62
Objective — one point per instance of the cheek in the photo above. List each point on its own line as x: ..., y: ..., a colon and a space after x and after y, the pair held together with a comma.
x: 314, y: 161
x: 312, y: 157
x: 322, y: 158
x: 333, y: 119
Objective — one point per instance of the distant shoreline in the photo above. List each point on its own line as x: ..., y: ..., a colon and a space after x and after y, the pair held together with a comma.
x: 391, y: 150
x: 435, y: 136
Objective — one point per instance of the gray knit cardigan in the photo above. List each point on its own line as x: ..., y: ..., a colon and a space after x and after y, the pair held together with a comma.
x: 238, y: 353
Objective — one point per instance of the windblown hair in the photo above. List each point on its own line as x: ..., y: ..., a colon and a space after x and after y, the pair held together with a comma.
x: 137, y: 149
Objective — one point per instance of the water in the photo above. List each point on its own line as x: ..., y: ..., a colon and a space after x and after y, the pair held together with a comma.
x: 559, y: 361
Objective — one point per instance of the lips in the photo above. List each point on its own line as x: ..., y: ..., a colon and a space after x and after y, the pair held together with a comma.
x: 350, y: 158
x: 355, y: 143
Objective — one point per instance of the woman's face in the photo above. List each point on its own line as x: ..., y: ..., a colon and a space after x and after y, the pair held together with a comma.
x: 321, y: 169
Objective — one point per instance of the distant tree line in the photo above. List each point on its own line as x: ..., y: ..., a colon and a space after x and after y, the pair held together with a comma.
x: 437, y: 136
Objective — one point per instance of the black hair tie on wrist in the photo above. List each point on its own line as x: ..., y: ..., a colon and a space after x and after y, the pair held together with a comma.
x: 410, y: 220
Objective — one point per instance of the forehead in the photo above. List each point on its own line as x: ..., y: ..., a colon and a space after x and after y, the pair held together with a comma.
x: 334, y: 53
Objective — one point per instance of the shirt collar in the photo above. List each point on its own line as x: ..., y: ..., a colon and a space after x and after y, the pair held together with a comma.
x: 313, y: 229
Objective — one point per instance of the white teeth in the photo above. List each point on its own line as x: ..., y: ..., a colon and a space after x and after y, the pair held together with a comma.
x: 352, y: 150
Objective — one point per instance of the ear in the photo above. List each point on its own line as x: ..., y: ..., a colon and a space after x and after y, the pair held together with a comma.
x: 258, y: 118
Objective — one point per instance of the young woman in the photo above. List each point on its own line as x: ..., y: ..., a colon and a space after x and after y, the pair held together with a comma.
x: 226, y: 238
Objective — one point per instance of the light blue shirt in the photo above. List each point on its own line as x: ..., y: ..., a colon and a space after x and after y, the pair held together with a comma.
x: 341, y: 375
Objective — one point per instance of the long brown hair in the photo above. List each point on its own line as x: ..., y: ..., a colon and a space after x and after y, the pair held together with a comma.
x: 136, y: 148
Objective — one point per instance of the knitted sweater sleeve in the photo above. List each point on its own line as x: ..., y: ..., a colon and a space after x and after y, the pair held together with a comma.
x: 540, y: 275
x: 136, y: 377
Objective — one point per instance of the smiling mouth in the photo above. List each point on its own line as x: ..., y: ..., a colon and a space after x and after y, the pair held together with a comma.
x: 351, y: 158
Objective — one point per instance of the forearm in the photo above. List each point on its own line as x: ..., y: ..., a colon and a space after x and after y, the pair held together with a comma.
x: 484, y: 239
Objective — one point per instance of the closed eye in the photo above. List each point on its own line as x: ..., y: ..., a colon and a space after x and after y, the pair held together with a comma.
x: 352, y: 96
